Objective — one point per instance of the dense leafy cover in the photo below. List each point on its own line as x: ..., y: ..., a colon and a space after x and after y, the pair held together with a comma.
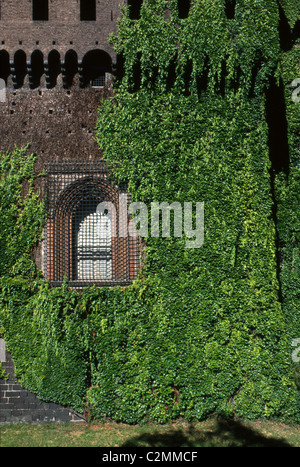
x: 288, y: 206
x: 20, y: 221
x: 203, y: 330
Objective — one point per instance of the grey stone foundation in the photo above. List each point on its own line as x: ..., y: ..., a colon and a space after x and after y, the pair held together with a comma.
x: 17, y: 405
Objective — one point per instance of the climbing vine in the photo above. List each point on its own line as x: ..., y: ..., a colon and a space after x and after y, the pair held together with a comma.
x: 201, y: 330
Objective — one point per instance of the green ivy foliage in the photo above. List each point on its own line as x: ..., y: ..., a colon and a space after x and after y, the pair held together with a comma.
x: 185, y: 141
x: 205, y: 38
x: 20, y: 219
x: 288, y: 204
x: 201, y: 331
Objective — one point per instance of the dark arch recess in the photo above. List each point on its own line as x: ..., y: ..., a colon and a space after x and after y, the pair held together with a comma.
x: 20, y: 68
x: 37, y: 69
x: 95, y: 64
x: 54, y: 68
x: 4, y: 65
x: 70, y: 68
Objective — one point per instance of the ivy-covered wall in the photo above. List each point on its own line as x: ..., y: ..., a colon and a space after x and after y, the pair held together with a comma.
x: 287, y: 195
x: 201, y: 331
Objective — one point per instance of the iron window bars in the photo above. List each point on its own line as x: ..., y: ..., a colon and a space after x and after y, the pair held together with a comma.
x: 82, y: 245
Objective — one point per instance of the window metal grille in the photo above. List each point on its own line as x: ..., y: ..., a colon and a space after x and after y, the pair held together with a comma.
x: 82, y: 242
x: 99, y: 81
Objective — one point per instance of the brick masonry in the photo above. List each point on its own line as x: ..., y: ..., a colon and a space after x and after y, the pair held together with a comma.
x: 17, y: 405
x: 62, y: 31
x: 58, y: 113
x: 59, y: 124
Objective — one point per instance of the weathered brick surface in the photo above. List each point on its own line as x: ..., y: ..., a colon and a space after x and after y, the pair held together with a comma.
x: 58, y: 123
x: 17, y: 405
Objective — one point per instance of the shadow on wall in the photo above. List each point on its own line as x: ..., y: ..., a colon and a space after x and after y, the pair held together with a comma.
x: 223, y: 434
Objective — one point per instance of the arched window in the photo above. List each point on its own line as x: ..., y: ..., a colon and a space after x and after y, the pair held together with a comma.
x: 70, y: 68
x: 54, y: 68
x: 95, y: 64
x: 4, y: 65
x: 20, y: 68
x: 83, y: 241
x: 93, y: 243
x: 36, y: 69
